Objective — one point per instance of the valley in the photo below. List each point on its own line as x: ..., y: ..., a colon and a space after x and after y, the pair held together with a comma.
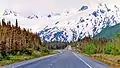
x: 86, y: 37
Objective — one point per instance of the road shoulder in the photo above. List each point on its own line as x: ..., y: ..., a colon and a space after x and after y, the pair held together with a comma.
x: 92, y: 63
x: 18, y: 64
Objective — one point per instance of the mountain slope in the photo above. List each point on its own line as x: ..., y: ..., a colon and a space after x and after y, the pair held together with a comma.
x: 82, y: 23
x: 69, y: 25
x: 109, y: 32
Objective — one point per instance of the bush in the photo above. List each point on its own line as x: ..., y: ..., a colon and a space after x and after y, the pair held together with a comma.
x: 44, y: 49
x: 36, y: 54
x: 111, y: 49
x: 115, y: 51
x: 108, y: 48
x: 90, y: 49
x: 29, y: 51
x: 44, y: 53
x: 7, y: 57
x: 1, y: 57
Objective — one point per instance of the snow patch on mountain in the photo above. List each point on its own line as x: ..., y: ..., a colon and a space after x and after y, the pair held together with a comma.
x: 10, y: 12
x: 78, y: 25
x: 70, y: 25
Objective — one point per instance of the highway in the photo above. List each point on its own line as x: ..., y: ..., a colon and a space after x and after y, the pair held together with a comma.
x: 64, y: 59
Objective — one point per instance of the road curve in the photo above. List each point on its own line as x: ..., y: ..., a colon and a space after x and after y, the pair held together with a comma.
x: 65, y: 59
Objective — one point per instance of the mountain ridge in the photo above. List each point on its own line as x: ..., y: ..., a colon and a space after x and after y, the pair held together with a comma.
x: 70, y: 25
x: 90, y: 25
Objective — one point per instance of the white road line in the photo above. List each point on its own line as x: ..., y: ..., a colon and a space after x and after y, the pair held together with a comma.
x: 82, y: 60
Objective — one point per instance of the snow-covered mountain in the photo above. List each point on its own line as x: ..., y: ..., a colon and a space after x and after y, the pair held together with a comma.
x: 70, y: 24
x: 85, y: 22
x: 33, y: 17
x: 10, y: 12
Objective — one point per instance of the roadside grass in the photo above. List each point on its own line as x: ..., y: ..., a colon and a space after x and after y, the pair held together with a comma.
x: 18, y: 58
x: 112, y: 60
x: 14, y: 59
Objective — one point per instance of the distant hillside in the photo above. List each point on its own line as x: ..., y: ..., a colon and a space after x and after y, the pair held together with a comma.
x: 109, y: 32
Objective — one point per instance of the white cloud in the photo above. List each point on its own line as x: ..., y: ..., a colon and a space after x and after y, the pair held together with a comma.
x: 45, y: 6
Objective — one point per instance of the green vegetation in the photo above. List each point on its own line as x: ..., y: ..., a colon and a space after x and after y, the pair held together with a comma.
x: 109, y: 32
x: 17, y: 58
x: 56, y: 45
x: 105, y: 46
x: 105, y: 50
x: 99, y: 45
x: 108, y: 48
x: 112, y: 60
x: 90, y: 49
x: 18, y: 44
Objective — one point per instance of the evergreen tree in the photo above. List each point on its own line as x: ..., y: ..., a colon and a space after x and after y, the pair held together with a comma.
x: 13, y: 39
x: 3, y: 22
x: 16, y: 25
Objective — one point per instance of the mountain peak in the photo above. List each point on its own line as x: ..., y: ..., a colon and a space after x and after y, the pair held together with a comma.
x: 83, y: 8
x: 71, y: 24
x: 34, y: 16
x: 10, y: 12
x: 79, y: 26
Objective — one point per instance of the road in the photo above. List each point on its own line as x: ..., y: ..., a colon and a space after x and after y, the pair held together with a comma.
x: 65, y: 59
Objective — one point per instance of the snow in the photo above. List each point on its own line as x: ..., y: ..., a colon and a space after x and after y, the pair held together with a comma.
x: 71, y: 24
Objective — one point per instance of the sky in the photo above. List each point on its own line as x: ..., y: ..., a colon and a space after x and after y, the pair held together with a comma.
x: 42, y: 7
x: 47, y: 6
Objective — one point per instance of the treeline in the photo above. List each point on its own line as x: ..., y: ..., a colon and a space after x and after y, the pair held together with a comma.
x: 90, y: 45
x: 14, y: 40
x: 53, y: 45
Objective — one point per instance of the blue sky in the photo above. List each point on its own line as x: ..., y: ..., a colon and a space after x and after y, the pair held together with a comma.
x: 47, y: 6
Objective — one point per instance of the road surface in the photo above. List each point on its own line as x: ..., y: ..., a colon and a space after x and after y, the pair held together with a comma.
x: 65, y: 59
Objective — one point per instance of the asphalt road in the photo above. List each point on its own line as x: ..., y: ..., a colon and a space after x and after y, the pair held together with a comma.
x: 65, y: 59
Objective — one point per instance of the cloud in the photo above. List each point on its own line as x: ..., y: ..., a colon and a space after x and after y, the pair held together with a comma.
x: 32, y: 5
x: 46, y: 6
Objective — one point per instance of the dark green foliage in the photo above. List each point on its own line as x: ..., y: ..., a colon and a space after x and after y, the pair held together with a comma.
x: 99, y: 45
x: 108, y: 48
x: 56, y: 45
x: 107, y: 42
x: 115, y: 51
x: 90, y: 49
x: 108, y: 32
x: 111, y: 49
